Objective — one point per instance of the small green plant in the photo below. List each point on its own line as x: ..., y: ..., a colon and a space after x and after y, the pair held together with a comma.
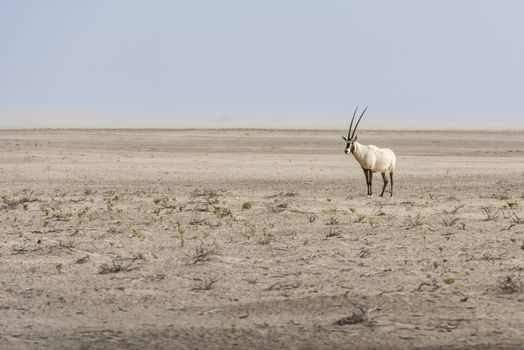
x: 331, y: 210
x: 250, y: 231
x: 247, y: 205
x: 435, y: 264
x: 25, y: 206
x: 58, y: 268
x: 448, y: 280
x: 512, y: 204
x: 181, y: 231
x: 138, y: 234
x: 230, y: 221
x: 45, y: 223
x: 82, y: 212
x: 353, y: 210
x: 68, y: 245
x: 165, y: 202
x: 267, y: 236
x: 221, y: 212
x: 209, y: 196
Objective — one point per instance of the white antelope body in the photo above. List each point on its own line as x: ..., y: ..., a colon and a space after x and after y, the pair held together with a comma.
x: 371, y: 158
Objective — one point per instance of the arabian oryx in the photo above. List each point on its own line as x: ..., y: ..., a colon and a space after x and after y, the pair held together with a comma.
x: 371, y: 158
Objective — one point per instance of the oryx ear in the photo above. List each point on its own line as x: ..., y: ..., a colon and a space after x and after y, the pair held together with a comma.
x: 344, y: 138
x: 356, y: 137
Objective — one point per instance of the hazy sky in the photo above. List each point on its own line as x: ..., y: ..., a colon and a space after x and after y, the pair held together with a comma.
x: 266, y: 63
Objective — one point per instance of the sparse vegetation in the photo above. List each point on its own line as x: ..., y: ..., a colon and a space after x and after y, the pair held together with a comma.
x: 311, y: 217
x: 205, y: 284
x: 250, y: 231
x: 449, y: 221
x: 233, y: 256
x: 181, y: 231
x: 267, y: 236
x: 514, y: 218
x: 221, y: 212
x: 119, y: 265
x: 448, y: 280
x: 412, y: 222
x: 508, y: 285
x: 511, y: 205
x: 359, y: 218
x: 279, y: 207
x: 332, y: 221
x: 358, y: 316
x: 9, y: 204
x: 166, y: 202
x: 333, y: 232
x: 203, y: 252
x: 453, y: 211
x: 491, y: 213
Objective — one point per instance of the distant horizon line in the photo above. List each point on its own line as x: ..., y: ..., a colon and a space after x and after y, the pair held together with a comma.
x: 260, y: 129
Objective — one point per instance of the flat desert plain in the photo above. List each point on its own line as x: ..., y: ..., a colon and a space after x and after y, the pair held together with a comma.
x: 259, y: 239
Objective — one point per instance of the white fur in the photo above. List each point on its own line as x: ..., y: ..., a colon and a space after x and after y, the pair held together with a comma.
x: 375, y: 159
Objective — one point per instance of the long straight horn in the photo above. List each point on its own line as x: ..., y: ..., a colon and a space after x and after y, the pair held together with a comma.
x: 350, y: 125
x: 356, y: 126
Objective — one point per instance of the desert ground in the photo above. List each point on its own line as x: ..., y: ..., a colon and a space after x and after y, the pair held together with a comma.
x: 259, y: 239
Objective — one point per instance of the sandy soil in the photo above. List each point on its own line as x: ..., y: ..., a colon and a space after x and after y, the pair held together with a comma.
x: 259, y: 239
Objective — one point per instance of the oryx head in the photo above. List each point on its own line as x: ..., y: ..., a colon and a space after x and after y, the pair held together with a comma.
x: 350, y: 140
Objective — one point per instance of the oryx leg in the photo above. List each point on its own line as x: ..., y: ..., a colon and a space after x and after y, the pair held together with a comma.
x: 367, y: 180
x: 385, y: 184
x: 391, y: 178
x: 370, y: 183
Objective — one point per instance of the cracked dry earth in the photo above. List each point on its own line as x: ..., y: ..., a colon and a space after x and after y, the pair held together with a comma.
x: 249, y: 239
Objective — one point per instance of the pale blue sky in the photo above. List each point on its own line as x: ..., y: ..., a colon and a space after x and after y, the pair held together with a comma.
x: 241, y: 63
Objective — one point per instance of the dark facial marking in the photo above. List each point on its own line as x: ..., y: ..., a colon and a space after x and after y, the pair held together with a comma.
x: 348, y: 147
